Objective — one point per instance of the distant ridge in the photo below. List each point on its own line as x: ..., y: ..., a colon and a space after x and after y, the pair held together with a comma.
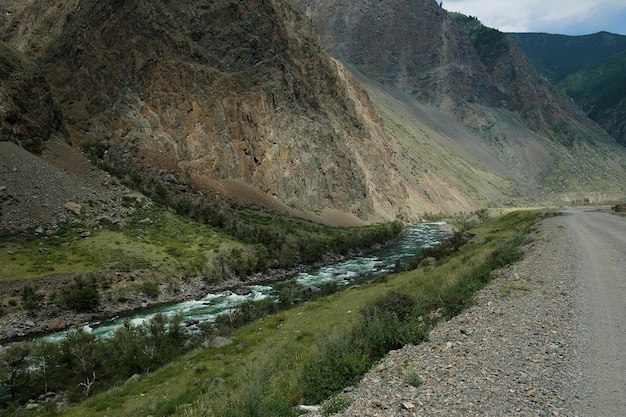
x: 590, y: 68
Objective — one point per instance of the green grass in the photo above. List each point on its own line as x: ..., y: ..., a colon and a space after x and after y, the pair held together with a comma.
x: 508, y: 287
x: 168, y: 242
x: 159, y: 240
x: 260, y: 374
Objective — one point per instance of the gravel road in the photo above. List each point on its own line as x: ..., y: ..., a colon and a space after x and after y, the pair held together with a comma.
x: 600, y: 243
x: 545, y: 337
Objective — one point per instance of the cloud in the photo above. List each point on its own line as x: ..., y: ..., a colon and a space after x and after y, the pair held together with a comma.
x: 552, y: 16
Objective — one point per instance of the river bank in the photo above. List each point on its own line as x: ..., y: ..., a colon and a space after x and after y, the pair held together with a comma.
x: 18, y: 324
x: 122, y: 295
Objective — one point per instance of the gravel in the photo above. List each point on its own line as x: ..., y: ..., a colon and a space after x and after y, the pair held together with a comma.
x: 515, y: 353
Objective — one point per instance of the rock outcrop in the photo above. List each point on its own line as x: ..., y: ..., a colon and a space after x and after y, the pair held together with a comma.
x: 28, y: 113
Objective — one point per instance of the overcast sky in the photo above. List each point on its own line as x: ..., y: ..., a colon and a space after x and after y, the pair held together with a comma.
x: 566, y: 17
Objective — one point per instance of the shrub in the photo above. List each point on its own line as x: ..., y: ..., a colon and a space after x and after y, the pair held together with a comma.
x: 392, y: 304
x: 414, y: 379
x: 245, y: 313
x: 389, y: 322
x: 338, y: 365
x: 336, y: 404
x: 14, y: 368
x: 150, y: 288
x: 81, y: 295
x: 31, y: 299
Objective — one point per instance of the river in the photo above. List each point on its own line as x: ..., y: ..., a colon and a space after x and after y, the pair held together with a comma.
x: 206, y: 309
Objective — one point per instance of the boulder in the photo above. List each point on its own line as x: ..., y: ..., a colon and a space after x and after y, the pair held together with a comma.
x: 56, y: 324
x: 73, y: 207
x: 312, y: 289
x: 217, y: 342
x: 243, y: 291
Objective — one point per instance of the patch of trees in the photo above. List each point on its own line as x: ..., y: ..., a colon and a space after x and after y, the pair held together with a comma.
x: 82, y: 364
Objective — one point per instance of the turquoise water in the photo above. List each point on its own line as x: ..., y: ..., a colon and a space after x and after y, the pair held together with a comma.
x: 209, y: 307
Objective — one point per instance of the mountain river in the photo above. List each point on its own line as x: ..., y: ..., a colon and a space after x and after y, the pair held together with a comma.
x: 206, y: 309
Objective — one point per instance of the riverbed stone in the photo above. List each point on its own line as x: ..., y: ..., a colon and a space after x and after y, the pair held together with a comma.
x: 73, y: 207
x: 56, y: 324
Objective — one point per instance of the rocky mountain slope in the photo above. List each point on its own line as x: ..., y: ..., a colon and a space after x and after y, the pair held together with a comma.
x: 215, y: 97
x: 453, y: 65
x: 588, y: 68
x: 426, y: 111
x: 28, y: 114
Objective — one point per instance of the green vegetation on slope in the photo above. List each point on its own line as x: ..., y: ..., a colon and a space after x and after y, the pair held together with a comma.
x: 156, y: 239
x: 490, y: 44
x: 599, y: 87
x: 558, y: 56
x: 591, y: 69
x: 309, y: 352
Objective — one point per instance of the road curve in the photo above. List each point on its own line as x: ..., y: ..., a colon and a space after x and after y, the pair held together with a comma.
x: 599, y: 239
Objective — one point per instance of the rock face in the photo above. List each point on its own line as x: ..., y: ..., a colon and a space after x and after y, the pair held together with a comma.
x: 207, y: 92
x: 480, y: 77
x: 447, y: 60
x: 185, y: 98
x: 411, y: 44
x: 28, y: 114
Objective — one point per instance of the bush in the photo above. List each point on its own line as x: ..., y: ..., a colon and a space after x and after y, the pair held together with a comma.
x: 392, y: 304
x: 81, y: 295
x: 31, y: 299
x: 414, y: 379
x: 150, y: 288
x: 389, y: 322
x: 245, y: 313
x: 336, y: 404
x: 338, y: 365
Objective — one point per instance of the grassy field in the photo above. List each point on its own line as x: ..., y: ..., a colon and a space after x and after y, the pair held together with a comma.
x: 263, y: 372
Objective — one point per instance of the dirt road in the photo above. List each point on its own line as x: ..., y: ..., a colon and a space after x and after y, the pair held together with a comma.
x: 600, y: 241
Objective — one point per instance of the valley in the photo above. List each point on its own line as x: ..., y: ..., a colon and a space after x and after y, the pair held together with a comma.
x: 154, y: 153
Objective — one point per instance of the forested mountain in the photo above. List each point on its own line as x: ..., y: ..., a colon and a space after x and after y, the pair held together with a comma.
x: 591, y: 69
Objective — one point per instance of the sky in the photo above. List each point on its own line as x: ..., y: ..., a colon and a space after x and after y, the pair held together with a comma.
x: 565, y: 17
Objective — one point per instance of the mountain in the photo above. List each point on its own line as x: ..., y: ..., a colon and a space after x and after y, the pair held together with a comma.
x: 591, y: 69
x: 188, y: 98
x: 453, y: 65
x: 192, y: 103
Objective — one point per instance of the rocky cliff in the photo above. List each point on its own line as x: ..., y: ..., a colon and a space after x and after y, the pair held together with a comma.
x: 480, y: 77
x: 28, y: 113
x: 185, y: 99
x: 207, y: 94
